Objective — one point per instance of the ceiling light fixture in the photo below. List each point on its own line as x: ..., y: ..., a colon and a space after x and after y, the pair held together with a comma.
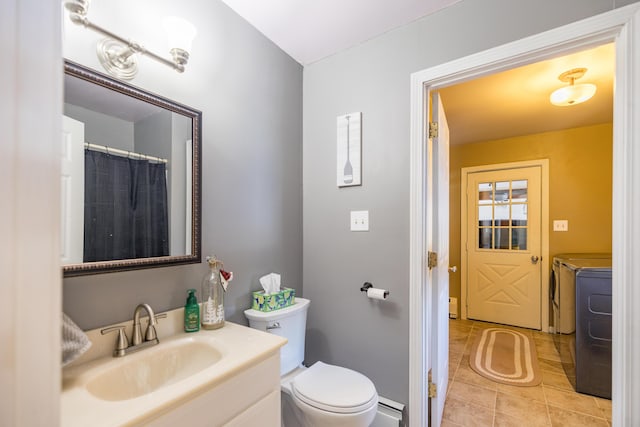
x: 117, y: 54
x: 572, y: 94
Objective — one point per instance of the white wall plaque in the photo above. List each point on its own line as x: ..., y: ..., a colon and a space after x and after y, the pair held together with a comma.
x: 349, y: 147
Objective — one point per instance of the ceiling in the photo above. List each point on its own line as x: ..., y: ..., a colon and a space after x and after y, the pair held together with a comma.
x: 502, y: 105
x: 309, y: 30
x: 516, y: 102
x: 103, y: 100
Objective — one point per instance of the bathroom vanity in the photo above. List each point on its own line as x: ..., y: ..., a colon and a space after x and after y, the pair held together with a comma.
x: 230, y: 376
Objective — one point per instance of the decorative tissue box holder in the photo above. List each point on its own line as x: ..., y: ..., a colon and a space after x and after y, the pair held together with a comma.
x: 270, y: 302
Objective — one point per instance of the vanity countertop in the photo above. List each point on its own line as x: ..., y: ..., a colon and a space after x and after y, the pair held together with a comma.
x: 240, y: 348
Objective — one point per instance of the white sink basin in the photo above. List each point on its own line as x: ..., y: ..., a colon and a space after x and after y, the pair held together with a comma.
x: 152, y: 368
x: 174, y: 381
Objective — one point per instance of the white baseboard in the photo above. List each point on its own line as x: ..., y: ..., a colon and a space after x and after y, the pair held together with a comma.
x: 390, y: 414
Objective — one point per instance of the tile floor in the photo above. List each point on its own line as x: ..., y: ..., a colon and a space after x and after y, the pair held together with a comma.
x: 473, y: 400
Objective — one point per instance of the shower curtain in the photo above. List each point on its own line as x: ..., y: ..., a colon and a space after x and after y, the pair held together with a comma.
x: 125, y: 208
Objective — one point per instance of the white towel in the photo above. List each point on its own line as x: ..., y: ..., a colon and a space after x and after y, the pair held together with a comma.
x: 74, y: 341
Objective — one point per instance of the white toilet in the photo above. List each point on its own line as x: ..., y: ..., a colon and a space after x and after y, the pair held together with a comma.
x: 319, y: 396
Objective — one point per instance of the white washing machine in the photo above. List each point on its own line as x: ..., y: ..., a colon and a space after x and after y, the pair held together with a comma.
x: 562, y: 290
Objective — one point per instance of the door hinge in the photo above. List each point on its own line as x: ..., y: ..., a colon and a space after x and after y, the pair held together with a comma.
x: 433, y: 130
x: 433, y: 390
x: 432, y: 259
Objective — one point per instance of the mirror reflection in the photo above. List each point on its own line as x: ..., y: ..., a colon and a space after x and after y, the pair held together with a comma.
x: 130, y: 177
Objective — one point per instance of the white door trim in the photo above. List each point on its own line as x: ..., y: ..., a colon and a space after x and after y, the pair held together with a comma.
x: 619, y: 25
x: 544, y: 231
x: 30, y: 274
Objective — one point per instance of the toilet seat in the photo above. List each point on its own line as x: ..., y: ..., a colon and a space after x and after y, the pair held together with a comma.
x: 334, y: 389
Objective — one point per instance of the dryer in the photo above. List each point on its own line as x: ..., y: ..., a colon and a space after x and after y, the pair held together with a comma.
x: 575, y: 316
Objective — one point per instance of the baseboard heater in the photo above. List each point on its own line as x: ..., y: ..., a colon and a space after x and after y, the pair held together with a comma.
x: 390, y: 414
x: 453, y: 308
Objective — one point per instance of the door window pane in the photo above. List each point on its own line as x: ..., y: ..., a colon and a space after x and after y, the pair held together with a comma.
x: 485, y: 191
x: 502, y: 192
x: 519, y: 239
x: 502, y: 238
x: 502, y: 215
x: 519, y: 214
x: 484, y: 238
x: 485, y: 215
x: 519, y: 191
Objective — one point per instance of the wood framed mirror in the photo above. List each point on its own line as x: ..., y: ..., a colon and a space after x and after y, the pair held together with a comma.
x: 131, y: 177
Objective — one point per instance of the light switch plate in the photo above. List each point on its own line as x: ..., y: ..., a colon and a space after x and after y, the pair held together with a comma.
x: 359, y: 220
x: 560, y: 225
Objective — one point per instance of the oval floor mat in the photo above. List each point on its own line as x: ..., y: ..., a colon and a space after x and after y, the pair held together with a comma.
x: 505, y: 356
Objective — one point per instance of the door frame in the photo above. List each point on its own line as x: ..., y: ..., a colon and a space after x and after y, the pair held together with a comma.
x: 30, y: 273
x: 621, y: 26
x: 544, y: 230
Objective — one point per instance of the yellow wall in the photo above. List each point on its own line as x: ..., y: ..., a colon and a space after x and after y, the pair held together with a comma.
x: 580, y: 184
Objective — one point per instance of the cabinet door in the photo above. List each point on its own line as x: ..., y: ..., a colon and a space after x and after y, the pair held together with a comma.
x: 265, y: 413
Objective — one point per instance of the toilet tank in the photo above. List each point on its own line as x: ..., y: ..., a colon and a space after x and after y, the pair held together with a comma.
x: 289, y: 323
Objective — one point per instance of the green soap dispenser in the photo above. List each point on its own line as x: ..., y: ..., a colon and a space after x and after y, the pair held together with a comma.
x: 191, y: 313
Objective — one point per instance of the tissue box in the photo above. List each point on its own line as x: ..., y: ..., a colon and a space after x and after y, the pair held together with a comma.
x: 270, y: 302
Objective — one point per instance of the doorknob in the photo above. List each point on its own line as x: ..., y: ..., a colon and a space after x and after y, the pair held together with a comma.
x: 534, y: 259
x: 453, y: 269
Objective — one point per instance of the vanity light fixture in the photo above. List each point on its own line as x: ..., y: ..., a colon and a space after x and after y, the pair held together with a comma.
x: 118, y: 54
x: 574, y: 93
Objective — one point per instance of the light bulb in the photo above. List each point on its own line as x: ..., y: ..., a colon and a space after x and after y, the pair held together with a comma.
x: 572, y: 95
x: 180, y: 33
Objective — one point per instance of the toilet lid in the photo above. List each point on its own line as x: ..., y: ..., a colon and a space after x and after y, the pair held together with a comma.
x: 334, y: 389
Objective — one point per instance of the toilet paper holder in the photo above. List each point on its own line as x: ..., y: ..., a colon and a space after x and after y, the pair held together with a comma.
x: 366, y: 286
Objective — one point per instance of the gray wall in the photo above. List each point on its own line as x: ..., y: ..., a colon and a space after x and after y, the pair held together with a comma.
x: 250, y: 95
x: 344, y: 327
x: 102, y: 129
x: 152, y: 135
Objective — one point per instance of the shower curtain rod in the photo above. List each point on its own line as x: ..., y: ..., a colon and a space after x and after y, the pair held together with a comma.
x: 126, y: 153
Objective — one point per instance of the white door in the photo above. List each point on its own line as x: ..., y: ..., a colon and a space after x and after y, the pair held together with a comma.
x: 72, y: 191
x: 440, y: 233
x: 189, y: 197
x: 503, y: 245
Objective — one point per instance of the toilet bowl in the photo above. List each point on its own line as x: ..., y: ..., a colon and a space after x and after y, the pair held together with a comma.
x: 328, y: 395
x: 323, y: 394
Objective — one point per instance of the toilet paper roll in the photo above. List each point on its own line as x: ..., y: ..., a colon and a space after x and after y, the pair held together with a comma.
x: 376, y: 293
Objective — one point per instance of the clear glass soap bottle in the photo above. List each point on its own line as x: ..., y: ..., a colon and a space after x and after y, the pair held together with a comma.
x: 212, y: 296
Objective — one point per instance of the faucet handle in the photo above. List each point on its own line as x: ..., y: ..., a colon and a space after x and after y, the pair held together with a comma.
x: 151, y: 334
x: 160, y: 316
x: 121, y: 341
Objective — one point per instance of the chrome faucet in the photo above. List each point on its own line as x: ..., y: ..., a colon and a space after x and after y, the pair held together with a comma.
x: 150, y: 337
